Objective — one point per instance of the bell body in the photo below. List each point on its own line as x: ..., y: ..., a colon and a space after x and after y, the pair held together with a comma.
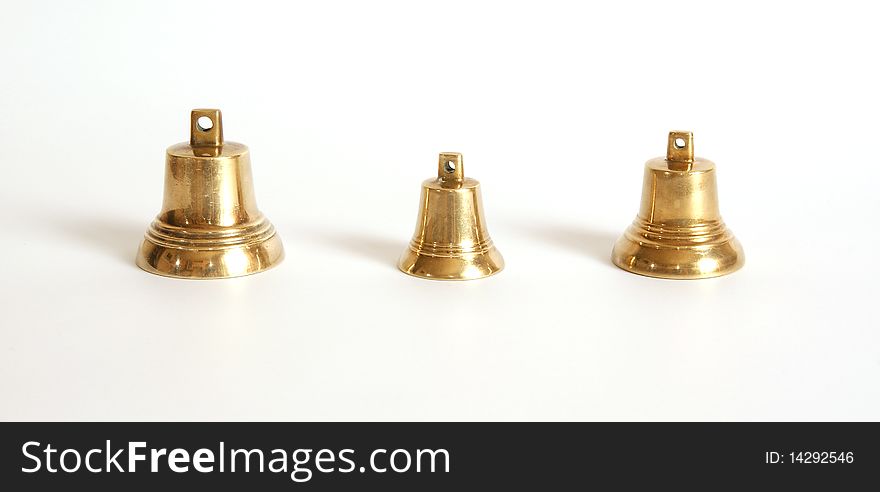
x: 678, y: 232
x: 209, y: 225
x: 451, y: 241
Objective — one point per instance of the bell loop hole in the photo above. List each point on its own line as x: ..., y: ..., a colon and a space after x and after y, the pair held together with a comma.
x: 679, y: 143
x: 449, y: 167
x: 205, y: 123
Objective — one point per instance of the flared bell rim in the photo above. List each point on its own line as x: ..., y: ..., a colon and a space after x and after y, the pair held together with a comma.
x: 678, y: 262
x: 469, y: 266
x: 210, y: 263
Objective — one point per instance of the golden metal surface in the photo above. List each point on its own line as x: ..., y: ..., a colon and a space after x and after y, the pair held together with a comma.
x: 678, y: 232
x: 451, y: 241
x: 209, y: 226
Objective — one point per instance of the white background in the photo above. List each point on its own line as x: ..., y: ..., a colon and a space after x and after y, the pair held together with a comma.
x: 345, y: 106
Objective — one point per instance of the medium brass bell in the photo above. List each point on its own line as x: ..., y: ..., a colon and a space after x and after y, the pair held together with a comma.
x: 678, y: 232
x: 451, y: 241
x: 209, y: 226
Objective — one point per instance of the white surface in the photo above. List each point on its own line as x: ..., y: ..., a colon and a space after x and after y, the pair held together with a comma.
x: 345, y: 106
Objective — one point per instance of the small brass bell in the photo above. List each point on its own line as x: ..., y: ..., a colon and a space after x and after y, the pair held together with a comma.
x: 451, y: 241
x: 678, y: 232
x: 209, y: 226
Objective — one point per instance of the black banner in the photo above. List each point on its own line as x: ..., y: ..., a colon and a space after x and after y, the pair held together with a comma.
x: 438, y: 456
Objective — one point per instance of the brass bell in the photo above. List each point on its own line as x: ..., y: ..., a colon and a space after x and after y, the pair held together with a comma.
x: 451, y: 241
x: 678, y: 232
x: 209, y: 226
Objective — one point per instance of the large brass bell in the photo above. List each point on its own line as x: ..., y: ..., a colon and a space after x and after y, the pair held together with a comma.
x: 209, y: 226
x: 678, y: 232
x: 451, y: 241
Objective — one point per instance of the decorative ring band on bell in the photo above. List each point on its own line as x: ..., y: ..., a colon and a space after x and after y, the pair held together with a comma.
x: 209, y: 226
x: 678, y: 232
x: 451, y: 241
